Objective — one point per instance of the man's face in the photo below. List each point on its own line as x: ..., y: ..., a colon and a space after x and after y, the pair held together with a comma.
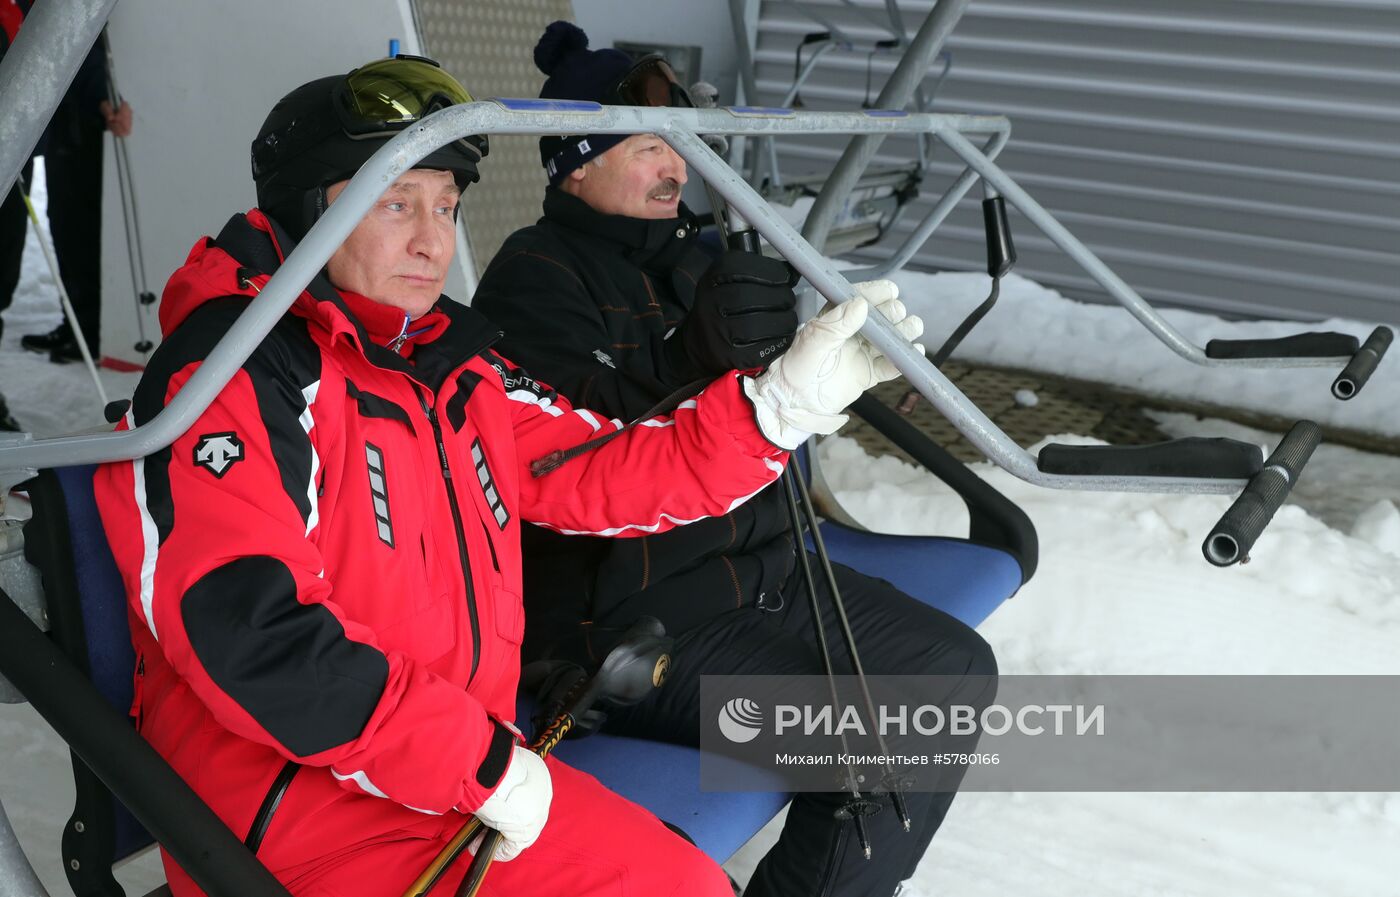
x: 641, y: 177
x: 400, y: 252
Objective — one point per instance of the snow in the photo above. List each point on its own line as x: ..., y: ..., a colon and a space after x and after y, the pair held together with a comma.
x: 1379, y: 525
x: 1122, y: 588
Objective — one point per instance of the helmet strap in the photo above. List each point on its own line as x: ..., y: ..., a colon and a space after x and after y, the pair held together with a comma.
x: 313, y: 206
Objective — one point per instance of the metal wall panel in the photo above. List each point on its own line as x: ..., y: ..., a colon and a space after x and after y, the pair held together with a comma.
x: 488, y: 45
x: 1241, y: 156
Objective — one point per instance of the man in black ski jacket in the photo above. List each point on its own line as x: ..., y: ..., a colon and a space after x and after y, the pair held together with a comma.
x: 611, y: 298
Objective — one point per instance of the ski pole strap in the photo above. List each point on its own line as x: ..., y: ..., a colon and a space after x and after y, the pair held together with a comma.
x: 966, y: 326
x: 558, y: 458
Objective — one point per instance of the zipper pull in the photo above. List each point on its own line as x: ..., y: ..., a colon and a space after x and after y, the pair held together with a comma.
x: 437, y: 435
x: 394, y: 344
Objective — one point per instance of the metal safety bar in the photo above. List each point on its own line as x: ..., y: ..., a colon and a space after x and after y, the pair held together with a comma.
x: 1126, y: 296
x: 679, y: 127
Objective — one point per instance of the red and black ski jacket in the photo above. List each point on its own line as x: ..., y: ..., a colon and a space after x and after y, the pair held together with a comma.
x: 326, y: 567
x: 11, y: 16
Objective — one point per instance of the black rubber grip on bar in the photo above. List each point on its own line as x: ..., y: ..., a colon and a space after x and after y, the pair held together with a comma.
x: 1210, y: 458
x: 1363, y: 364
x: 1301, y: 345
x: 1001, y: 252
x: 1234, y: 535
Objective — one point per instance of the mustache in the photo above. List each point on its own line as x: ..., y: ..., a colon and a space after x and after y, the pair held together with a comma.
x: 668, y: 187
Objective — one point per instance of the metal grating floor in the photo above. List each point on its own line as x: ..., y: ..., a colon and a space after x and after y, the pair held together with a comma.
x: 1063, y: 406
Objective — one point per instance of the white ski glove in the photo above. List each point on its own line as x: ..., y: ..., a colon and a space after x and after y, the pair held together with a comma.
x: 829, y: 365
x: 519, y: 806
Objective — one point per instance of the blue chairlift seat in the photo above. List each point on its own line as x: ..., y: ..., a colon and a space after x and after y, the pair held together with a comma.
x: 87, y: 616
x: 967, y: 578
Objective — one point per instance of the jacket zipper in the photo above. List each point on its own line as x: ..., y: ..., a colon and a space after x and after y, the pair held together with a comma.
x: 461, y: 534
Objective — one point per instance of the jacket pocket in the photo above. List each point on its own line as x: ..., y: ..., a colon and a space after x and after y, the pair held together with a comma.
x: 510, y: 616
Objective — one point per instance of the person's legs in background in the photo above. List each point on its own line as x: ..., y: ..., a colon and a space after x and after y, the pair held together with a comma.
x: 14, y: 224
x: 73, y: 172
x: 14, y: 220
x: 896, y: 635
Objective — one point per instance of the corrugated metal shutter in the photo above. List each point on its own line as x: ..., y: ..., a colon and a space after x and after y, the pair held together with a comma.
x: 488, y: 45
x: 1241, y: 156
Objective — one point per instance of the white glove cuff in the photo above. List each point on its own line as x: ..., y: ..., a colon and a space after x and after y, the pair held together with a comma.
x: 780, y: 422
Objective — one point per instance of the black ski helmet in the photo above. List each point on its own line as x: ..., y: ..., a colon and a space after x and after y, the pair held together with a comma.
x: 323, y: 131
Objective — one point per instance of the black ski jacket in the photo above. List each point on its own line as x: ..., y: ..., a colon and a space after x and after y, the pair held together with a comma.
x: 586, y: 301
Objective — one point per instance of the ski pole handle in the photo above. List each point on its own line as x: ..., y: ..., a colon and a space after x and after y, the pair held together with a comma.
x: 546, y: 742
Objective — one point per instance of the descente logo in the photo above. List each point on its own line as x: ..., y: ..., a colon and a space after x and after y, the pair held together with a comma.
x: 740, y: 720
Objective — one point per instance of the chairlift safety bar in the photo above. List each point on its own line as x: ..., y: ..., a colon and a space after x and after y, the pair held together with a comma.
x: 679, y: 127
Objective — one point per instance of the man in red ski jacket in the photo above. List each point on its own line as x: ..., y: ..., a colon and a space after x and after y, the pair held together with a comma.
x: 324, y: 572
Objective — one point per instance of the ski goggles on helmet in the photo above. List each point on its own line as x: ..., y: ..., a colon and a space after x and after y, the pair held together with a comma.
x: 388, y: 95
x: 652, y: 82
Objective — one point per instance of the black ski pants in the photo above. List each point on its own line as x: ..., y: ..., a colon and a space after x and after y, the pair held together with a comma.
x: 818, y: 854
x: 73, y: 173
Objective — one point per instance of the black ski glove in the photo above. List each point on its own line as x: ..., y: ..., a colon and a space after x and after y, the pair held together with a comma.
x: 744, y: 316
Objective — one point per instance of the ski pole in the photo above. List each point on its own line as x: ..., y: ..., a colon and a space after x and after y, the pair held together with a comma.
x: 857, y: 808
x: 131, y: 221
x: 542, y: 746
x: 744, y: 237
x: 638, y: 664
x: 892, y: 783
x: 67, y: 305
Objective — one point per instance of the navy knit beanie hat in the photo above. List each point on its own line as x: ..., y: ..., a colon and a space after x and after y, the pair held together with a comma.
x: 576, y: 73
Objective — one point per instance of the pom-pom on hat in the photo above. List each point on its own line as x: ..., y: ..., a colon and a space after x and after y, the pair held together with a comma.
x: 575, y: 72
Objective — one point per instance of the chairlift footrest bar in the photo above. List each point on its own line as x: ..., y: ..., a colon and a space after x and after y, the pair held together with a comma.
x: 1363, y: 364
x: 1300, y: 345
x: 1232, y: 538
x: 1195, y: 457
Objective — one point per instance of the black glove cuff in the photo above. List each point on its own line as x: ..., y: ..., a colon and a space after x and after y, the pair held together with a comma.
x: 680, y: 367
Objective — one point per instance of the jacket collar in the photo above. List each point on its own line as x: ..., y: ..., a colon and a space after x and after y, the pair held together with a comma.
x: 655, y: 245
x: 447, y: 336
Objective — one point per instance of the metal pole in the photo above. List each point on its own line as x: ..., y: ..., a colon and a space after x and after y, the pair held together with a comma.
x: 37, y: 70
x: 1138, y: 307
x: 919, y: 236
x: 748, y: 87
x: 895, y: 95
x: 105, y: 740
